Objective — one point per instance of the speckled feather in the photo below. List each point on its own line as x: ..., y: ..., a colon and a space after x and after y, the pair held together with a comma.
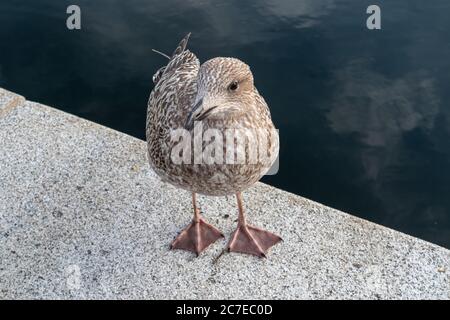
x: 172, y: 99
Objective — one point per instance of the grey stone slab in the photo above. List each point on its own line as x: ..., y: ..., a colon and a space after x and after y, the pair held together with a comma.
x: 83, y: 216
x: 8, y: 101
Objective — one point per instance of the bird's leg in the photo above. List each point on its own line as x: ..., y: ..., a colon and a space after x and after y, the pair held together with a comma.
x: 249, y: 239
x: 198, y: 235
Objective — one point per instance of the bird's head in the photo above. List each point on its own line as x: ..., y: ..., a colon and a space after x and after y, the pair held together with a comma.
x: 225, y: 90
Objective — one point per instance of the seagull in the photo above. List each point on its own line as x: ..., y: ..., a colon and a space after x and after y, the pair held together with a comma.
x: 217, y: 96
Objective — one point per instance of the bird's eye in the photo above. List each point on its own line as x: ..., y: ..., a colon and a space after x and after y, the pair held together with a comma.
x: 233, y: 86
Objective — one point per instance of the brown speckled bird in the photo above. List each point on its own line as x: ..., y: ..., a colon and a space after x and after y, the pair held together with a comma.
x: 221, y: 95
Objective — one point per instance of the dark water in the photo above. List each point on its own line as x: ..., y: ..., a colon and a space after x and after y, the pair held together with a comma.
x: 363, y: 115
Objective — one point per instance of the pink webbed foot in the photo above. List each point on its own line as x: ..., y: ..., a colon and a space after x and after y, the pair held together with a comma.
x: 252, y: 240
x: 197, y: 236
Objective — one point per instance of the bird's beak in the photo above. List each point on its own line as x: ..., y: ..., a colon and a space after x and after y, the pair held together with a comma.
x: 196, y: 110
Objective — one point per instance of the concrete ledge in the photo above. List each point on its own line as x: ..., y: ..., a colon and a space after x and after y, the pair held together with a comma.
x: 83, y: 216
x: 8, y: 101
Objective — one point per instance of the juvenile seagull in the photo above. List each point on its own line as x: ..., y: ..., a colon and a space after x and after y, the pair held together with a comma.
x: 221, y: 95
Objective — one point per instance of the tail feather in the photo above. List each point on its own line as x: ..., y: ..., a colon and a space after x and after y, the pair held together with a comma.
x: 180, y: 48
x: 182, y: 45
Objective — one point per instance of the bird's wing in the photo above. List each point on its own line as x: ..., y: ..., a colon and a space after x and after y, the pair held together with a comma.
x: 178, y: 57
x: 184, y: 63
x: 178, y: 80
x: 172, y: 97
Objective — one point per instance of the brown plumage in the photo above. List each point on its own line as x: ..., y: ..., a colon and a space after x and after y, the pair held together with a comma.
x: 218, y: 96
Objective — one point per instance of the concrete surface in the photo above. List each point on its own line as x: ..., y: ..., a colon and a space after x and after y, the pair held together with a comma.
x: 83, y: 216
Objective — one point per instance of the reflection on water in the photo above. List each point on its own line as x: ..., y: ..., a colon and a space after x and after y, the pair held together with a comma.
x: 363, y: 115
